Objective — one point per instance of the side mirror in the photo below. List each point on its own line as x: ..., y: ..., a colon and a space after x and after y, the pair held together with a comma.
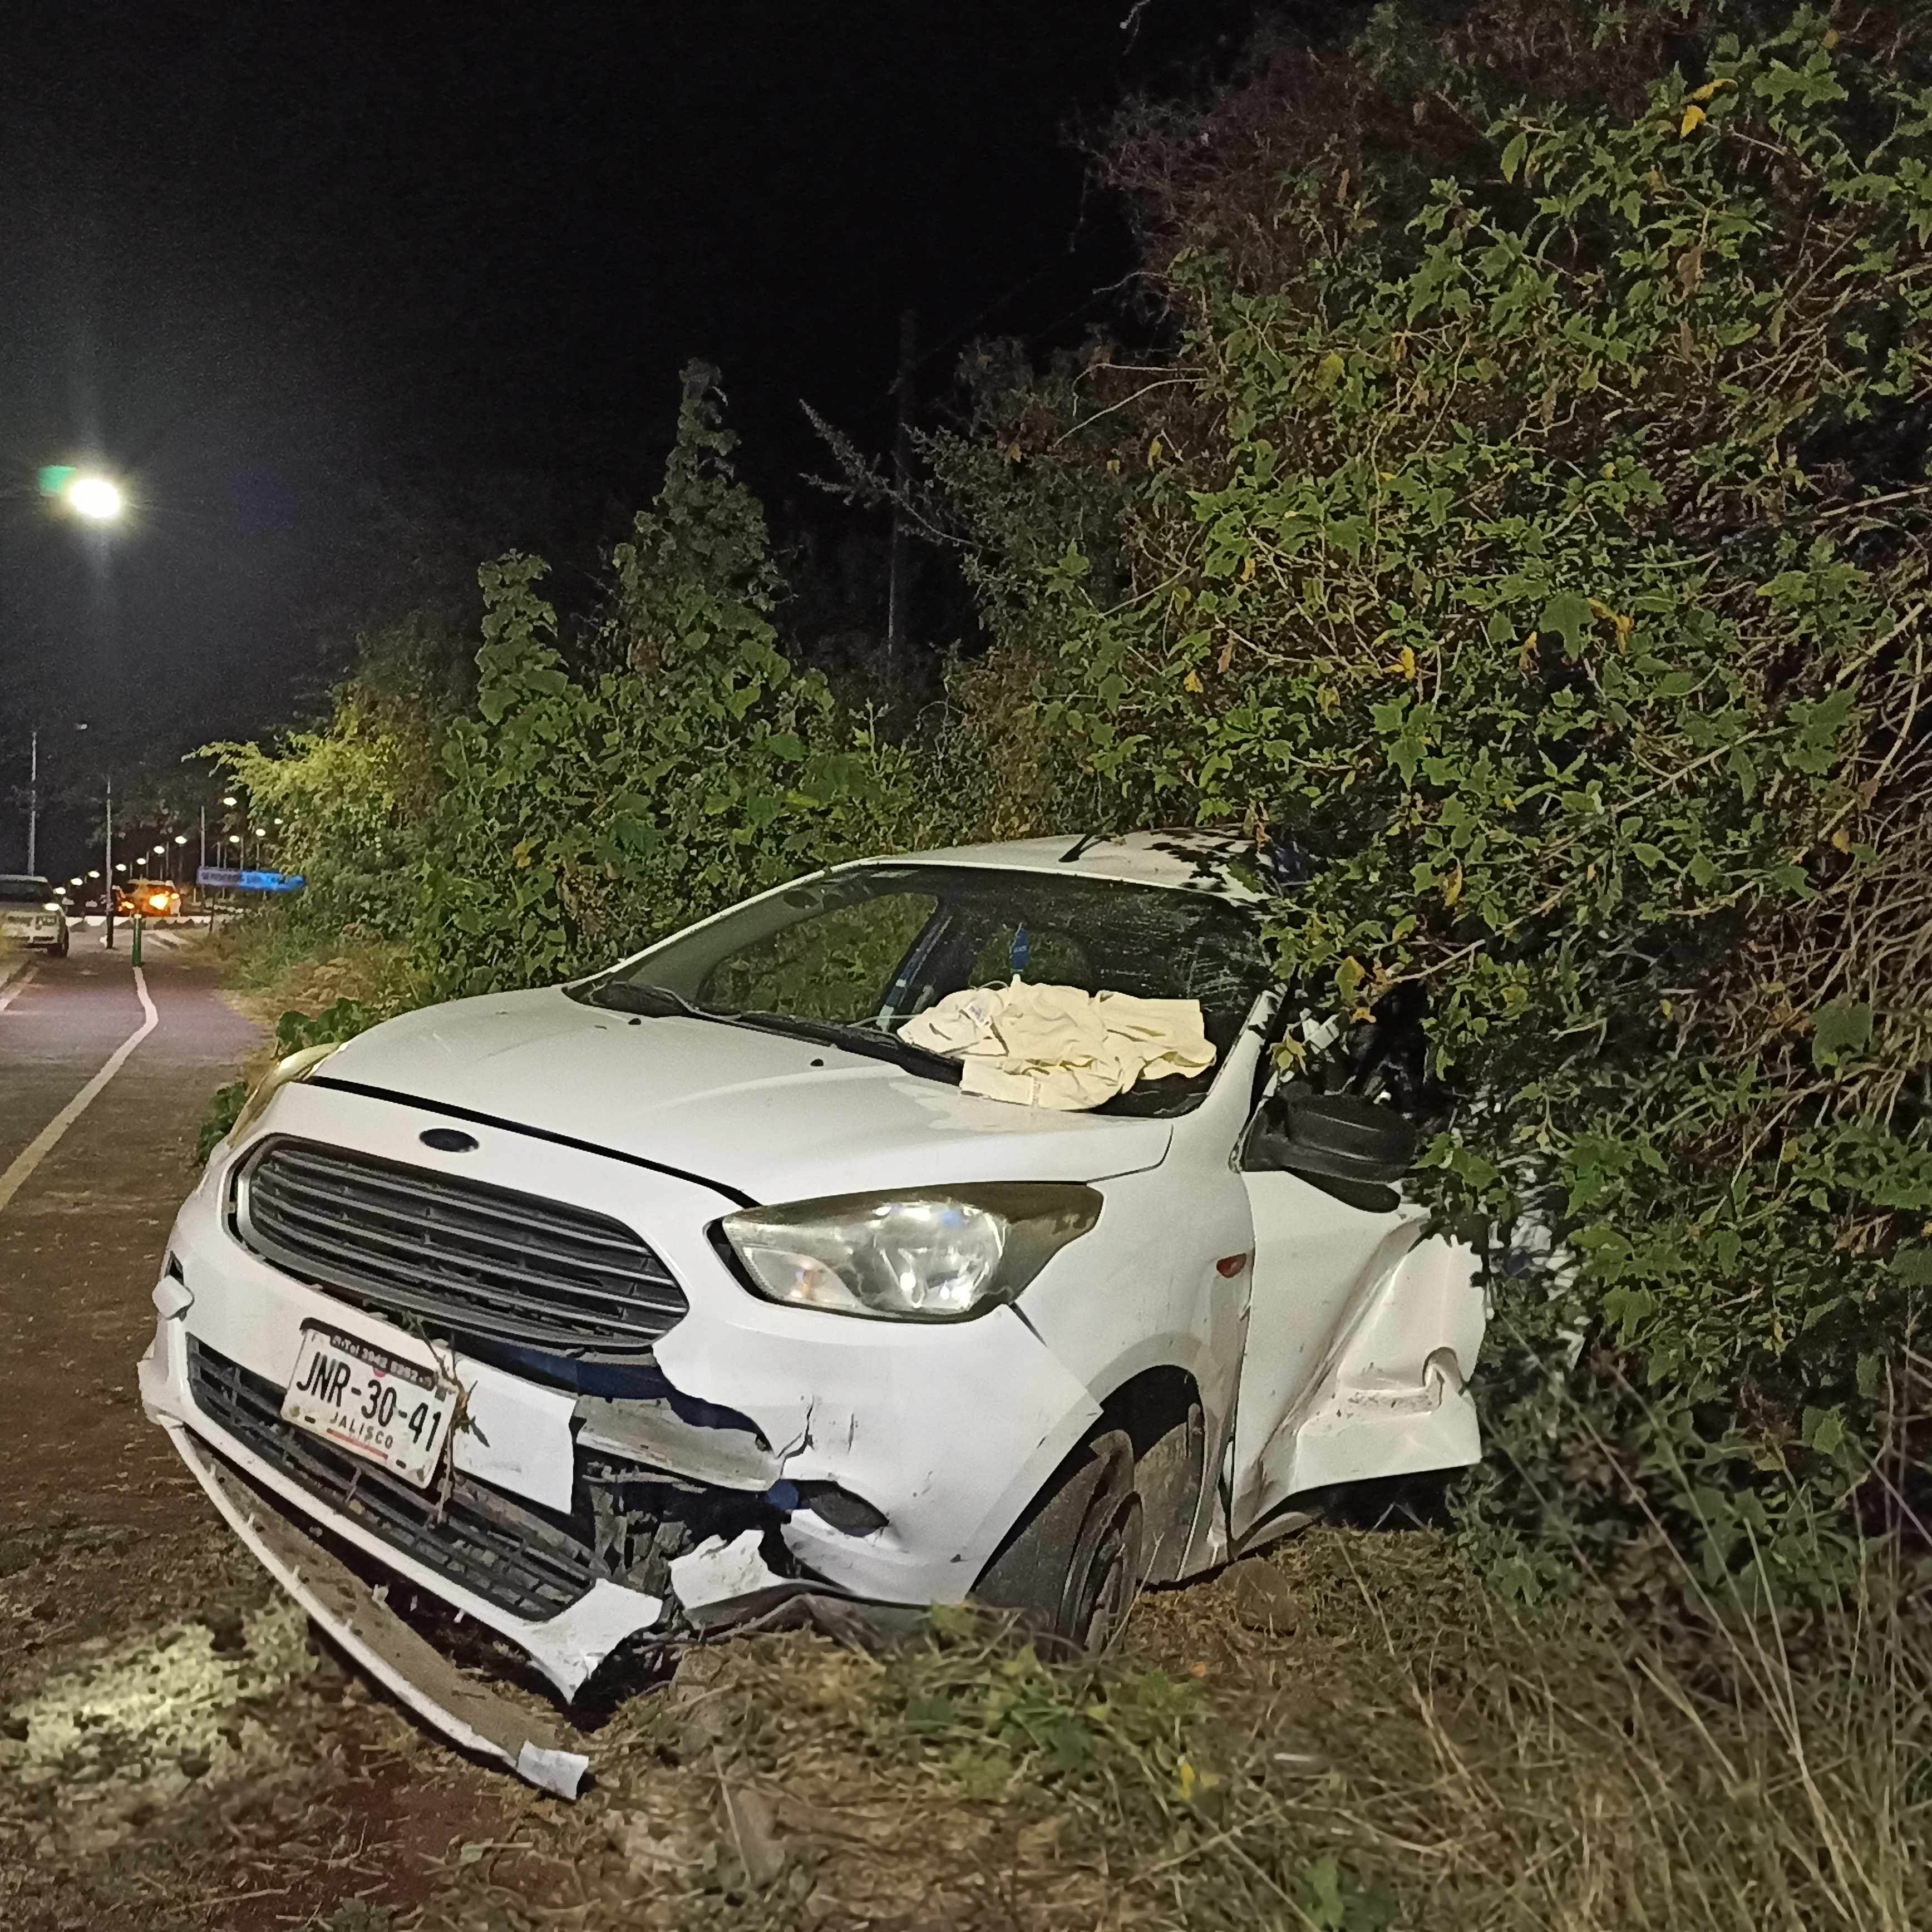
x: 1340, y: 1135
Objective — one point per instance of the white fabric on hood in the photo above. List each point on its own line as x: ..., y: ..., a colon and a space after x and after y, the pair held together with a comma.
x: 1058, y: 1046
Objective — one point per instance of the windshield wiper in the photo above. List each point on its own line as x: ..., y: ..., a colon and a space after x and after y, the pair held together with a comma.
x: 869, y: 1041
x: 627, y: 996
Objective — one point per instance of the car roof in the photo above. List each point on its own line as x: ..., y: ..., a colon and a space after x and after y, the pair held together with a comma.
x: 22, y: 878
x: 1187, y: 861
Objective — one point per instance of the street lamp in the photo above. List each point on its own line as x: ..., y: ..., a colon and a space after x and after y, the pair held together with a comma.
x: 95, y: 498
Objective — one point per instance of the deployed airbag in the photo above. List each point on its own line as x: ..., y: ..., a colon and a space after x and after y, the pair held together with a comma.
x: 1061, y: 1046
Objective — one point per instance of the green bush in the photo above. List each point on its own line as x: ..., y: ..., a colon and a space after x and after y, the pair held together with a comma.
x: 586, y: 815
x: 1530, y: 522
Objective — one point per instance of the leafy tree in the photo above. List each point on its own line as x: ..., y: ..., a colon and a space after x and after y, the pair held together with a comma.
x: 587, y: 815
x: 1528, y: 516
x: 357, y: 797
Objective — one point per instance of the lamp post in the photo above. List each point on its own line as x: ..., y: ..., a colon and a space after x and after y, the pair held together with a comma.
x: 107, y: 868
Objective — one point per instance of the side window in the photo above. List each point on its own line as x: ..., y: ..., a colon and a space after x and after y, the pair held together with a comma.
x: 835, y: 965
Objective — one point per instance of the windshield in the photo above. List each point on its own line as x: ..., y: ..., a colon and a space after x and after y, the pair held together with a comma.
x: 868, y: 947
x: 18, y: 891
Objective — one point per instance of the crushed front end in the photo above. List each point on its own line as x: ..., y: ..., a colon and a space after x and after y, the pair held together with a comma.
x: 614, y: 1443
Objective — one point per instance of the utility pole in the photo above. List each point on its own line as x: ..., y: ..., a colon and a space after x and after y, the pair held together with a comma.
x: 107, y: 867
x: 33, y: 797
x: 899, y: 590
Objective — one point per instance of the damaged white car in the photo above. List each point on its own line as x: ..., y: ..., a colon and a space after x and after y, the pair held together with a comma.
x: 702, y: 1293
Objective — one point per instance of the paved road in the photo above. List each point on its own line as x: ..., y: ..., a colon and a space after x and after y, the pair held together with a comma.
x: 80, y: 1242
x: 227, y: 1778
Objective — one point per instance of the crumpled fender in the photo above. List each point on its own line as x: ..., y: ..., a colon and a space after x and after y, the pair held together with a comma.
x: 950, y: 1430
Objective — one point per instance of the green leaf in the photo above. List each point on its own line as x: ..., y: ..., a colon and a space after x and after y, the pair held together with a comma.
x: 1839, y: 1028
x: 1567, y: 614
x: 1824, y: 1430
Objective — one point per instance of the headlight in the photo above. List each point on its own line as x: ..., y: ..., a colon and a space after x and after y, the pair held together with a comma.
x: 938, y: 1254
x: 297, y: 1067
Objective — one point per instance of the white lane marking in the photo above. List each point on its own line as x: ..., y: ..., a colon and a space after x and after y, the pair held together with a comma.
x: 48, y: 1139
x: 18, y: 987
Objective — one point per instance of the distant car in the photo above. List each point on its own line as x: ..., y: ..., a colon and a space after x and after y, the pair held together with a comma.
x: 29, y: 911
x: 151, y: 899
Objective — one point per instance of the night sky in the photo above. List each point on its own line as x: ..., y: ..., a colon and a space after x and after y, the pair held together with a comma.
x: 310, y: 276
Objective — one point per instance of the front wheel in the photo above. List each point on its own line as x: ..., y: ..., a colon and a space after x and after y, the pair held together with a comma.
x: 1071, y: 1568
x: 59, y: 948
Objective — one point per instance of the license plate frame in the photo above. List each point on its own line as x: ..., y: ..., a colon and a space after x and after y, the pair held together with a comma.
x: 373, y: 1402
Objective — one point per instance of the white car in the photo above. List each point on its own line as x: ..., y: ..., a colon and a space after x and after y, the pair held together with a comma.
x: 31, y: 912
x: 691, y: 1295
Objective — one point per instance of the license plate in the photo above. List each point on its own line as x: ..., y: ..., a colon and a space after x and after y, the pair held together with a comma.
x: 366, y: 1400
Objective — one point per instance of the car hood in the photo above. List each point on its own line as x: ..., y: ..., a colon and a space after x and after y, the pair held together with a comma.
x: 774, y: 1118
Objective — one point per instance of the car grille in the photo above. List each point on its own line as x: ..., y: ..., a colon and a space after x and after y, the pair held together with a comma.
x: 524, y: 1560
x: 454, y: 1257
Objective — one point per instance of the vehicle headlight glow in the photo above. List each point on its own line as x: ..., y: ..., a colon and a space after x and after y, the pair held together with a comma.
x: 938, y: 1254
x: 296, y: 1066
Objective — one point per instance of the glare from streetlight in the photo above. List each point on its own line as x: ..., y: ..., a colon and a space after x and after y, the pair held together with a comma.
x: 228, y: 801
x: 95, y: 498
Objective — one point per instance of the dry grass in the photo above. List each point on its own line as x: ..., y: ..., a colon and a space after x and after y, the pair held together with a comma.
x: 1357, y: 1733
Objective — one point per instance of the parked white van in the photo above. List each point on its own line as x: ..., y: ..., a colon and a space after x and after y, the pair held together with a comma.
x: 31, y: 912
x: 697, y: 1294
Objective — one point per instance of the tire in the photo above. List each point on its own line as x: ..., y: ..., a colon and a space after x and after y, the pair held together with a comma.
x: 59, y: 948
x: 1071, y: 1568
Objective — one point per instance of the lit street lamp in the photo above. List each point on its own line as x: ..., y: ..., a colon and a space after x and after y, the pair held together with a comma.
x: 95, y: 498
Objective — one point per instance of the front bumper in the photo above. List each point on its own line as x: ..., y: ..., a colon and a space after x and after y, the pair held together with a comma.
x: 31, y: 929
x: 944, y: 1432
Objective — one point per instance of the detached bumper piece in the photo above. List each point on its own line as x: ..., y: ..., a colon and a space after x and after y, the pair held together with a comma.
x: 338, y: 1600
x: 515, y: 1555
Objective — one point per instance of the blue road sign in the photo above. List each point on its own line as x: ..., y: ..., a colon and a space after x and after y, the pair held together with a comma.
x: 251, y: 882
